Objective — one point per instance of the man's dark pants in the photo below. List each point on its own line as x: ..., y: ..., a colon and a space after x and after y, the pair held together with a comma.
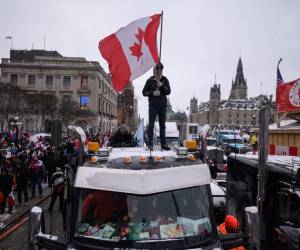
x: 57, y: 192
x: 153, y: 112
x: 22, y: 188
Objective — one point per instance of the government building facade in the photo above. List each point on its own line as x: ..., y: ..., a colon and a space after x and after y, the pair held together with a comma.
x: 237, y: 111
x: 69, y: 78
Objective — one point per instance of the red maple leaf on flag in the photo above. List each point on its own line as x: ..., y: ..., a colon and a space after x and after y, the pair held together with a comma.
x: 136, y: 48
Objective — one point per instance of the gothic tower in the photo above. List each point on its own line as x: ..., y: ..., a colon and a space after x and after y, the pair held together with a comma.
x: 239, y: 85
x: 193, y: 108
x: 214, y: 103
x: 193, y: 105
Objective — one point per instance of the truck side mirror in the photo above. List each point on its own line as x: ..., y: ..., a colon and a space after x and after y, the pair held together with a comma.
x: 36, y: 224
x: 252, y: 226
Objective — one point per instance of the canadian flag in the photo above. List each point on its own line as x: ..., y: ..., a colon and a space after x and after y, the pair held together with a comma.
x: 288, y: 96
x: 131, y: 51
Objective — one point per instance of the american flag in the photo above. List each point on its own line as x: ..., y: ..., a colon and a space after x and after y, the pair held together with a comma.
x: 279, y: 77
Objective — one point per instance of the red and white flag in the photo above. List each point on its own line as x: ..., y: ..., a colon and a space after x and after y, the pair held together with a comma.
x: 131, y: 51
x: 288, y: 96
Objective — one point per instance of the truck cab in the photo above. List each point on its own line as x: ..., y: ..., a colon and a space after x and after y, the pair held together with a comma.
x: 231, y: 142
x: 125, y: 198
x: 172, y: 133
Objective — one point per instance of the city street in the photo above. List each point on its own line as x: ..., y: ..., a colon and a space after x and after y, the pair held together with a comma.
x: 18, y: 239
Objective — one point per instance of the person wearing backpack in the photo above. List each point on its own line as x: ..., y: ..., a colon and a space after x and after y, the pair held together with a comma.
x: 58, y: 185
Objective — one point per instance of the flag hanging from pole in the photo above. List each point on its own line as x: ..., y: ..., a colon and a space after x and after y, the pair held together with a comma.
x: 131, y: 51
x: 139, y: 134
x: 288, y: 96
x: 279, y: 77
x: 279, y: 81
x: 8, y: 37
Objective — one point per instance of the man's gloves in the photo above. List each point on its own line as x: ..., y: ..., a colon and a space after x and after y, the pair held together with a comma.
x: 156, y: 93
x: 159, y: 83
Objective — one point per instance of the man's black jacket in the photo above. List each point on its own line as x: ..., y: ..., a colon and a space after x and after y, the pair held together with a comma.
x: 151, y: 86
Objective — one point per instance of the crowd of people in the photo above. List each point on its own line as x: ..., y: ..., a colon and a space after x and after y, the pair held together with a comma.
x: 27, y: 167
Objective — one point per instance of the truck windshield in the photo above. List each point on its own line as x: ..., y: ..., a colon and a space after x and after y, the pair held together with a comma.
x: 224, y: 132
x: 120, y: 217
x: 212, y: 142
x: 232, y: 141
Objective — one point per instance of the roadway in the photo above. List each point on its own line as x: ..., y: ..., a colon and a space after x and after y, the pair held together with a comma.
x: 17, y: 240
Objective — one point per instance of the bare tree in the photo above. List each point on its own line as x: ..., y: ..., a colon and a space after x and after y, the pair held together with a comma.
x: 49, y: 106
x: 69, y: 111
x: 41, y: 105
x: 11, y: 97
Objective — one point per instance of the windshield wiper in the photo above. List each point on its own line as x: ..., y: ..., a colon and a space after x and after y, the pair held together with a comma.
x: 147, y: 241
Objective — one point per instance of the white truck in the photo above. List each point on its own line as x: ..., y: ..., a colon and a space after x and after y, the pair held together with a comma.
x: 172, y: 133
x: 125, y: 198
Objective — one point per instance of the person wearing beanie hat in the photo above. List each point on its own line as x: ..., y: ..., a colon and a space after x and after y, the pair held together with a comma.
x: 230, y: 225
x: 157, y: 88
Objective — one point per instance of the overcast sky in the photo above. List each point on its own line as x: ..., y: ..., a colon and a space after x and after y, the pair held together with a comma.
x: 200, y: 38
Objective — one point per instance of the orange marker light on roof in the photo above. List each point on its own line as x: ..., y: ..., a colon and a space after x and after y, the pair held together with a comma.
x: 127, y: 159
x: 191, y: 157
x: 158, y: 159
x: 143, y: 159
x: 93, y: 159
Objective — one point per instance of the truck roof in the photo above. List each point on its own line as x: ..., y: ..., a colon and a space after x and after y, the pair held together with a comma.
x: 144, y: 181
x: 277, y: 163
x: 138, y: 177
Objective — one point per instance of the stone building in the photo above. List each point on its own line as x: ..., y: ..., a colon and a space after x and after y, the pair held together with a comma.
x: 69, y: 78
x: 237, y: 111
x: 127, y: 107
x: 214, y: 104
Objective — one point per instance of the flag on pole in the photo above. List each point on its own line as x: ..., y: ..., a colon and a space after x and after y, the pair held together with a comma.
x: 278, y: 82
x: 139, y: 134
x: 8, y: 37
x: 288, y: 96
x: 279, y: 77
x: 131, y: 51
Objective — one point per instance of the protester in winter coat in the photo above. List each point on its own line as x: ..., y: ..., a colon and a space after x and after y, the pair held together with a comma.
x: 51, y: 167
x: 230, y: 225
x: 58, y: 185
x: 156, y: 89
x: 22, y: 177
x: 6, y: 184
x: 122, y: 137
x: 37, y: 174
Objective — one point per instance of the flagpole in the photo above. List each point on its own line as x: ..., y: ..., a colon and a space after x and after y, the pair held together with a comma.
x: 277, y: 115
x: 161, y: 29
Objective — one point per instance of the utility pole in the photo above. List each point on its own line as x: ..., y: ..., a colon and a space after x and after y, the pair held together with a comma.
x: 263, y: 167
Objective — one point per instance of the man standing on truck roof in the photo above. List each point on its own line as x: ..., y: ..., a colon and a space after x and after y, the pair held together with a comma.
x: 157, y: 88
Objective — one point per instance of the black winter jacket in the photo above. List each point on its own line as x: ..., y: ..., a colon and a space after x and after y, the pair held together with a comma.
x: 151, y: 86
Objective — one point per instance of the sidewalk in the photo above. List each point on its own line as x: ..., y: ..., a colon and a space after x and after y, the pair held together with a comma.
x: 7, y: 219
